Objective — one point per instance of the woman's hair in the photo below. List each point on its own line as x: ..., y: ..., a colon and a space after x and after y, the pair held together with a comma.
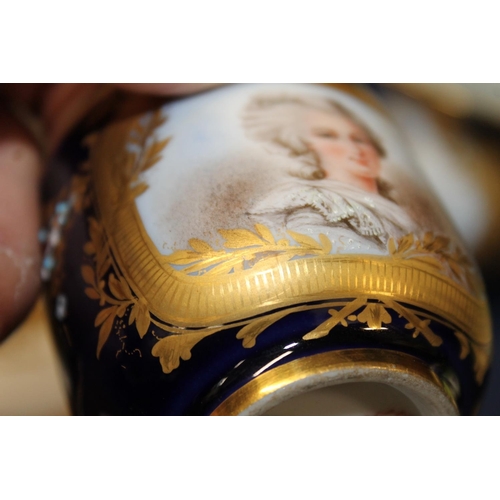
x: 276, y: 120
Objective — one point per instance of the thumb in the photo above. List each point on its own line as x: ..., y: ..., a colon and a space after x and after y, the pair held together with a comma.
x: 20, y: 172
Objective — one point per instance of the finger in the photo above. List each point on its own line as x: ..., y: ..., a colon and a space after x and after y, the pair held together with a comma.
x: 28, y: 93
x: 166, y: 88
x: 64, y: 105
x: 20, y: 170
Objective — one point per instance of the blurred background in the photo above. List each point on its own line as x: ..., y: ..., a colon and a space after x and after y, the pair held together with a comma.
x: 453, y: 131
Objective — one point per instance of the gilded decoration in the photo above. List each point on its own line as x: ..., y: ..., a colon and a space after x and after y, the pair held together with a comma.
x: 241, y: 284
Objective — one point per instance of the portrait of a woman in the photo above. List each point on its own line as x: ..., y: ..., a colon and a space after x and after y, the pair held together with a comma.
x: 335, y: 180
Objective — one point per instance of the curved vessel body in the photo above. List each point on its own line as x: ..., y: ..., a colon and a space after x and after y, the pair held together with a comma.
x: 261, y: 249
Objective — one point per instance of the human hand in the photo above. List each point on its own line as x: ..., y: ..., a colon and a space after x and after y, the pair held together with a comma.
x: 58, y: 107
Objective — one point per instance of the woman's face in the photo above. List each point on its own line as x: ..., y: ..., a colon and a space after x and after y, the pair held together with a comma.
x: 343, y: 148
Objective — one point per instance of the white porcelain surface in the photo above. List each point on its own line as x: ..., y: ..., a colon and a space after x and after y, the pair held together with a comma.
x: 215, y: 174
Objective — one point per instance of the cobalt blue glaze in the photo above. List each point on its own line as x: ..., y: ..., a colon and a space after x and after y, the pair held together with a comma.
x: 117, y: 372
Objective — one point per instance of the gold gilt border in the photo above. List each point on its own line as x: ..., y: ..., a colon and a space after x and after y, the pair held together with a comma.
x: 370, y: 359
x: 210, y: 301
x: 223, y: 293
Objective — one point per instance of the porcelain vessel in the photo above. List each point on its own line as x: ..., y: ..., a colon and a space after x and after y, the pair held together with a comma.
x: 260, y: 249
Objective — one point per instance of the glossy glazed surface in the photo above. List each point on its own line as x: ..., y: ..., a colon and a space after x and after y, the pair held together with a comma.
x: 199, y: 241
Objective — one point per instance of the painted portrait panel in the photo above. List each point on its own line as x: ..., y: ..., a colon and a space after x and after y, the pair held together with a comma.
x: 303, y: 158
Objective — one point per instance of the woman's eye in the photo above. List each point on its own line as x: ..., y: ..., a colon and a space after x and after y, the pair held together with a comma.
x: 327, y: 134
x: 359, y: 140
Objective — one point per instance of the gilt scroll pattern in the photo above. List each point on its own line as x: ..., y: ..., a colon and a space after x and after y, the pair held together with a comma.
x: 243, y: 250
x: 111, y: 288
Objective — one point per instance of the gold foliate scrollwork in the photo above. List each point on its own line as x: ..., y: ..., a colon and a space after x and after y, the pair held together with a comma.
x: 337, y: 316
x: 119, y: 249
x: 479, y: 353
x: 143, y: 152
x: 173, y: 348
x: 436, y: 252
x: 243, y: 250
x: 375, y: 315
x: 464, y: 344
x: 110, y: 290
x: 116, y: 294
x: 252, y: 330
x: 114, y: 291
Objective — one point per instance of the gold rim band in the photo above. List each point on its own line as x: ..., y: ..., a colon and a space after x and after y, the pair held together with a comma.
x: 390, y: 362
